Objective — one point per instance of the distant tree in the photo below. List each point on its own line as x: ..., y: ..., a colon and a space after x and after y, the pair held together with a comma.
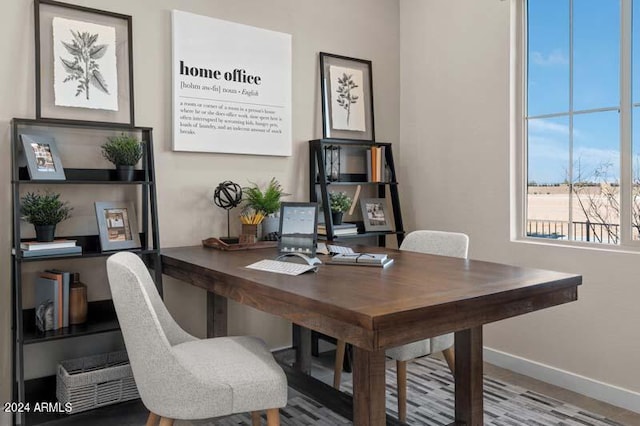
x: 602, y: 209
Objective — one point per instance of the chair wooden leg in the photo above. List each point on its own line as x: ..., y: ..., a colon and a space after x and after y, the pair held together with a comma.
x: 450, y: 357
x: 153, y: 418
x: 401, y: 373
x: 337, y: 369
x: 255, y: 418
x: 273, y: 417
x: 166, y: 422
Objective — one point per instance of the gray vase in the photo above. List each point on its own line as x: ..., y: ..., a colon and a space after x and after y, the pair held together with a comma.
x: 269, y: 225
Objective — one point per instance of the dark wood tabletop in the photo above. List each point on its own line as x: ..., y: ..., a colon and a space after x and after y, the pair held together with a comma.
x: 415, y: 285
x: 416, y: 297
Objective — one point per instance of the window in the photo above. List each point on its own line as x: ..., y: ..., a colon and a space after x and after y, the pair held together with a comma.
x: 582, y: 179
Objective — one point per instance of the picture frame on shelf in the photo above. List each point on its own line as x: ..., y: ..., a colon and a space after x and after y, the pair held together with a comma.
x: 64, y: 88
x: 346, y: 86
x: 117, y: 225
x: 375, y: 214
x: 42, y: 157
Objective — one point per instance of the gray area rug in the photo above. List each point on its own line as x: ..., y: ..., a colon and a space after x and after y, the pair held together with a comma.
x: 430, y: 401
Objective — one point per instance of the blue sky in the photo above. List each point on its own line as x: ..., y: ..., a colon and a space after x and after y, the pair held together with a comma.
x: 596, y: 84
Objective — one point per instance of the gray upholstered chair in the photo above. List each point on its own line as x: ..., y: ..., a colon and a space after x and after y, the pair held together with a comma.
x: 451, y: 244
x: 180, y: 376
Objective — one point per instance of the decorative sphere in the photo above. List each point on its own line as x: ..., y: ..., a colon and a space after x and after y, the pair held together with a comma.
x: 227, y: 195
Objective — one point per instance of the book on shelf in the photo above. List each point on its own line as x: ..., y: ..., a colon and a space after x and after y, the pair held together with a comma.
x: 362, y: 259
x: 339, y: 232
x: 342, y: 229
x: 51, y: 252
x: 343, y: 225
x: 46, y: 304
x: 376, y: 164
x: 66, y: 283
x: 60, y: 299
x: 55, y: 244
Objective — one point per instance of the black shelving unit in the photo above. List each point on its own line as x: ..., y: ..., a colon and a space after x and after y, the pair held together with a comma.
x: 101, y: 316
x: 318, y: 180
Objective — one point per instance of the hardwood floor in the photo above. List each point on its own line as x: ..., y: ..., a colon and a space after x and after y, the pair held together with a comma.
x: 626, y: 417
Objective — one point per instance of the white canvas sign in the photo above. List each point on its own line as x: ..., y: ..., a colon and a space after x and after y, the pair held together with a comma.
x: 84, y: 65
x: 231, y: 87
x: 347, y: 99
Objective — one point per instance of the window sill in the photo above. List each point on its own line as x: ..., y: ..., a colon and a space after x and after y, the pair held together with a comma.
x: 633, y: 248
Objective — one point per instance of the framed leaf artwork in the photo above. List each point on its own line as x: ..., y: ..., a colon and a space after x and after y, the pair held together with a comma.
x: 84, y: 67
x: 347, y: 97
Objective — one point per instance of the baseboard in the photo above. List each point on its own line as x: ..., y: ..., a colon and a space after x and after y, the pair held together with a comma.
x: 605, y: 392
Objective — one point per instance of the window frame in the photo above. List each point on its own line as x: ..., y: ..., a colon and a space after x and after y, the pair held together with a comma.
x: 519, y: 133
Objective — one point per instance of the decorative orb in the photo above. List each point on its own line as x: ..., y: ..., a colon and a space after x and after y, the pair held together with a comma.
x: 227, y: 195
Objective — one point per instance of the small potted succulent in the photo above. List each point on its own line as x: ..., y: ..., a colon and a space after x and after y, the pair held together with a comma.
x: 124, y: 152
x: 266, y: 202
x: 44, y: 211
x: 339, y: 202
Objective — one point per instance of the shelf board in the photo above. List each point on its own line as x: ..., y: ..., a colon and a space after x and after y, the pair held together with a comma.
x: 84, y: 177
x: 85, y: 254
x: 364, y: 234
x: 350, y: 142
x: 352, y: 183
x: 101, y: 318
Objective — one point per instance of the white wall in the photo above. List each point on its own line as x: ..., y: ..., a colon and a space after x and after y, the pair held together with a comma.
x: 455, y: 175
x: 359, y: 28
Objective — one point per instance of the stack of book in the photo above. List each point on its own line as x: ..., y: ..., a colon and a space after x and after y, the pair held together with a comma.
x: 339, y: 230
x: 362, y: 259
x: 52, y: 300
x: 53, y: 248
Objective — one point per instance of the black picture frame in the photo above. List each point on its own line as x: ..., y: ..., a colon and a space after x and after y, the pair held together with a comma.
x: 45, y: 11
x: 331, y: 128
x: 380, y: 220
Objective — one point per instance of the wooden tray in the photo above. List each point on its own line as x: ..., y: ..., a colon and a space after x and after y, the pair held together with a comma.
x: 220, y: 245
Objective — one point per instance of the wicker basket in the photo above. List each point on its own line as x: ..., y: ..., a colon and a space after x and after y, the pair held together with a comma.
x: 95, y: 381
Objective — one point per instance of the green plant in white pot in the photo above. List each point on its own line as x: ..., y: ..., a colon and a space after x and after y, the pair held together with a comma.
x: 265, y: 201
x: 124, y: 152
x: 44, y: 211
x: 339, y: 202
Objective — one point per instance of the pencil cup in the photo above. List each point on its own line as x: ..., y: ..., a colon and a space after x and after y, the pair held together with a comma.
x: 249, y: 234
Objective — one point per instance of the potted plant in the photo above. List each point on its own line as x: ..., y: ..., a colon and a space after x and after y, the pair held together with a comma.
x: 124, y: 152
x: 339, y: 202
x: 266, y: 202
x: 44, y: 211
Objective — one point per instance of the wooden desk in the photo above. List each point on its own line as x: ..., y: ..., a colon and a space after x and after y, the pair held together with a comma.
x: 417, y: 297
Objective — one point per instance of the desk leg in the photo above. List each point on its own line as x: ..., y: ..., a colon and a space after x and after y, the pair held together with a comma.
x: 468, y: 377
x: 216, y: 315
x: 368, y: 387
x: 302, y: 344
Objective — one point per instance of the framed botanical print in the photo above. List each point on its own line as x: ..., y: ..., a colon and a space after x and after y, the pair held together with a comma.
x: 84, y: 64
x: 42, y: 158
x: 347, y: 97
x: 375, y: 215
x: 117, y: 225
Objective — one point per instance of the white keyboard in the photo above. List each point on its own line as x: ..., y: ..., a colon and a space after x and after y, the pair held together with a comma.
x: 279, y: 267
